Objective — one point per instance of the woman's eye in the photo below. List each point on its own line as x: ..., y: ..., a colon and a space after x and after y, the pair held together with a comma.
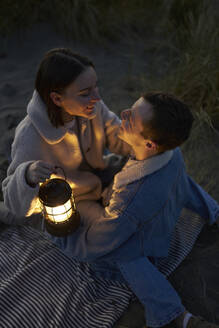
x: 88, y: 93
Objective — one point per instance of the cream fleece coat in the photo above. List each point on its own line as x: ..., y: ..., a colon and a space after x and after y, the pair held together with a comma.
x: 37, y: 139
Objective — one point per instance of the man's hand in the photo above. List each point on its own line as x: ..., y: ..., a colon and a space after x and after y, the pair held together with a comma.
x: 38, y: 172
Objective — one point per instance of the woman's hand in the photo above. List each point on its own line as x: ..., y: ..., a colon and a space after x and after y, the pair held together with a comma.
x: 38, y: 172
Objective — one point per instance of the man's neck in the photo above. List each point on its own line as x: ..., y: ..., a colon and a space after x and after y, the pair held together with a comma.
x: 142, y: 153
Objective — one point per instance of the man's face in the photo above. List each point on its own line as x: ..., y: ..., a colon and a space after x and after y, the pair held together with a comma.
x: 132, y: 122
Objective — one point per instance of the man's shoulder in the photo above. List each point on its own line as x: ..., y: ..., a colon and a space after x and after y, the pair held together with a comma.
x: 160, y: 183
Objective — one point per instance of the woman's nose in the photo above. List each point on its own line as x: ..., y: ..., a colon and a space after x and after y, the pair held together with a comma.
x: 95, y: 95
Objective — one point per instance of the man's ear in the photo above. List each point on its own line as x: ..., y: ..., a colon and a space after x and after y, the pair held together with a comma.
x: 56, y: 98
x: 150, y: 145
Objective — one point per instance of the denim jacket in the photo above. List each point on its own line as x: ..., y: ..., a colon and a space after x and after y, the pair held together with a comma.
x: 142, y: 213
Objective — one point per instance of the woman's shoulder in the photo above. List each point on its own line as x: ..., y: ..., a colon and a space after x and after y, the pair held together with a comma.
x: 26, y: 133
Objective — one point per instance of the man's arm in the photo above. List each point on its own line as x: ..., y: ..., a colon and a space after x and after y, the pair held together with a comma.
x: 202, y: 203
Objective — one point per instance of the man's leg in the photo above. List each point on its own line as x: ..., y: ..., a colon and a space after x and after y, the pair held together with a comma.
x: 162, y: 303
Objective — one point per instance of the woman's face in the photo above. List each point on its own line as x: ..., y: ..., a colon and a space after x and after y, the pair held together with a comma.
x: 80, y: 97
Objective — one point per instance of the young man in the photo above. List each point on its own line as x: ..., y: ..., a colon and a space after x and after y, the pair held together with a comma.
x: 136, y: 229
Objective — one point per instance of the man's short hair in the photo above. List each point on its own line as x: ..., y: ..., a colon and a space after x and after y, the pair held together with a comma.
x: 171, y: 122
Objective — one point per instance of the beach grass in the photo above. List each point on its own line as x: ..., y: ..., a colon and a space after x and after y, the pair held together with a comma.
x: 187, y: 30
x: 190, y: 69
x: 80, y: 19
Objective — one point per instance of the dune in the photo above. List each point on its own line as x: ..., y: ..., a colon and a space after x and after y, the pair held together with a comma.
x: 118, y: 66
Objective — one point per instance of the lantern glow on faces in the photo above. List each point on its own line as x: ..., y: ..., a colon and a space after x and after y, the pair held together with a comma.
x: 58, y: 207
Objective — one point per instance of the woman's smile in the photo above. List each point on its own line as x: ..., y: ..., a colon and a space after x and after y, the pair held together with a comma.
x: 90, y: 110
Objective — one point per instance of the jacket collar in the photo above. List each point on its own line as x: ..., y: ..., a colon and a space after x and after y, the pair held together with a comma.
x: 37, y: 112
x: 135, y: 170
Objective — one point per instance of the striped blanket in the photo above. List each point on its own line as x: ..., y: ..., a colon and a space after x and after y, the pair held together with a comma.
x: 41, y: 287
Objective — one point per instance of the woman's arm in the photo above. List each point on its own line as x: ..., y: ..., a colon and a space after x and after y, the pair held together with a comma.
x: 19, y: 197
x: 112, y: 125
x: 103, y: 235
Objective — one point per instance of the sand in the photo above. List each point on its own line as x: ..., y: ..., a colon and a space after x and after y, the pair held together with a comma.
x: 118, y: 66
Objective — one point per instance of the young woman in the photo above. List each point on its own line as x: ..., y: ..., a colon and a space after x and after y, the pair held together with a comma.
x: 67, y: 125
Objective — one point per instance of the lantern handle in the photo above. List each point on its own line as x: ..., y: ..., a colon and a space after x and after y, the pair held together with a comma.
x: 59, y: 167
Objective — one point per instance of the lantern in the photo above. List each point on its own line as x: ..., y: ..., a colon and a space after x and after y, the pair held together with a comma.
x: 58, y: 207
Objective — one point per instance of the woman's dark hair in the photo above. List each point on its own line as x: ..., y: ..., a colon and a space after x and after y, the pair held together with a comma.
x: 171, y: 121
x: 59, y: 68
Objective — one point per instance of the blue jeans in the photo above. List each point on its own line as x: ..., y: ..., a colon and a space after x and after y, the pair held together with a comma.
x: 161, y: 302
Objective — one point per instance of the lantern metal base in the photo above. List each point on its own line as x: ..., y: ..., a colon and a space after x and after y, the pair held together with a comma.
x: 64, y: 228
